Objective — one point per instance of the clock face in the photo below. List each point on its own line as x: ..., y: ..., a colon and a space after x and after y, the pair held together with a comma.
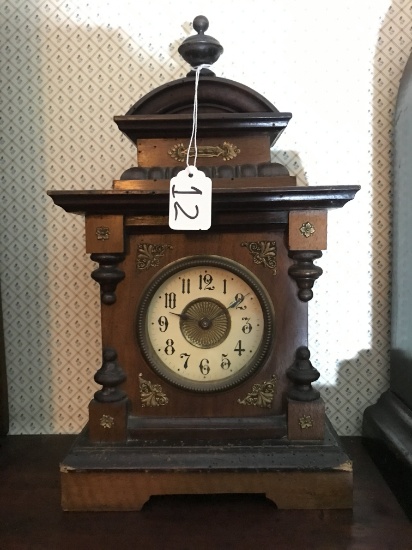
x: 205, y: 323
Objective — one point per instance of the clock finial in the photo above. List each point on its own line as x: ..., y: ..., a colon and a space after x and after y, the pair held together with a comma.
x: 201, y: 24
x: 200, y: 49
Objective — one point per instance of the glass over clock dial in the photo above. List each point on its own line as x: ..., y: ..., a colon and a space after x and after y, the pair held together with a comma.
x: 205, y: 323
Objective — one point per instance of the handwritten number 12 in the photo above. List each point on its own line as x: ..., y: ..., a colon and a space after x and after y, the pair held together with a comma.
x: 177, y: 207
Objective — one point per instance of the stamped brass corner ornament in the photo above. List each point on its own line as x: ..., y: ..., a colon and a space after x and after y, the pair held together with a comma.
x: 107, y: 421
x: 151, y: 395
x: 102, y: 233
x: 261, y: 395
x: 226, y: 151
x: 263, y: 252
x: 307, y: 229
x: 305, y: 422
x: 148, y: 255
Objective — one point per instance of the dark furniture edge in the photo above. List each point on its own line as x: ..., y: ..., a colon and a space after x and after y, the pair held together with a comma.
x: 387, y: 434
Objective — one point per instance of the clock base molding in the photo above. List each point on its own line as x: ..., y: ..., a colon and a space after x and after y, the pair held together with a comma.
x: 294, y: 475
x: 195, y: 429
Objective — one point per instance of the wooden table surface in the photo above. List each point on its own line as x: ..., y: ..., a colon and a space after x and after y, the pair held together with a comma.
x: 31, y: 517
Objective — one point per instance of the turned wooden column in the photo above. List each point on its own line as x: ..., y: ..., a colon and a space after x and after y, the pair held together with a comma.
x: 307, y: 234
x: 306, y: 409
x: 108, y: 411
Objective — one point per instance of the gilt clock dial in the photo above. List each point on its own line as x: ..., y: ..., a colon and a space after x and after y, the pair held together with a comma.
x: 205, y: 323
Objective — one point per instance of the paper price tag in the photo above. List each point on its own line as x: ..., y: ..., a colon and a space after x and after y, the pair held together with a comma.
x: 190, y: 200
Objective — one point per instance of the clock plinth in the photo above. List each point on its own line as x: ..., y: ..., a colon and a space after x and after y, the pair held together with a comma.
x: 206, y: 375
x: 304, y: 476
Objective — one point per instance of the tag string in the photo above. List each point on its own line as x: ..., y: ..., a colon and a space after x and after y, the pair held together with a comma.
x: 194, y: 127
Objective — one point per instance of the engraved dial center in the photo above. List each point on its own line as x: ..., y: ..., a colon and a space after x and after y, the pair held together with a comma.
x: 205, y: 323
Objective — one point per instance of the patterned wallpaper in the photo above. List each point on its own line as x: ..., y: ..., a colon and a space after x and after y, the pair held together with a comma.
x: 68, y: 67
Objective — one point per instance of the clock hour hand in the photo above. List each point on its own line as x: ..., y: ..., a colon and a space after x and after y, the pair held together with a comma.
x: 183, y: 316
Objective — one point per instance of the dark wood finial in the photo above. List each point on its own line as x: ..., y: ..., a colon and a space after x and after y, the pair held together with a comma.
x: 304, y: 271
x: 108, y: 275
x: 200, y: 49
x: 303, y: 373
x: 110, y: 376
x: 201, y: 24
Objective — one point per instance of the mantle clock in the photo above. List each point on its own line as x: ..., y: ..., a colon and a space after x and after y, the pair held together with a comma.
x: 206, y: 377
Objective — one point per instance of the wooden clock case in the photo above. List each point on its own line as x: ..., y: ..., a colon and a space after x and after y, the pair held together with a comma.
x: 268, y: 434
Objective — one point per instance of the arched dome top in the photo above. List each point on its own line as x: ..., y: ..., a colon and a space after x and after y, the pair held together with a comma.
x: 215, y: 95
x: 225, y: 107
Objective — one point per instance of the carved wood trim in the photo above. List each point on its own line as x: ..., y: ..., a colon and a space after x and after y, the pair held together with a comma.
x: 269, y: 198
x: 221, y: 171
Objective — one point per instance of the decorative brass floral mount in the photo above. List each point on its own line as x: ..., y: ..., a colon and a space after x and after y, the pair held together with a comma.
x: 148, y: 255
x: 263, y: 252
x: 102, y: 233
x: 307, y: 229
x: 306, y: 422
x: 261, y: 395
x: 151, y: 395
x: 107, y: 421
x: 226, y: 151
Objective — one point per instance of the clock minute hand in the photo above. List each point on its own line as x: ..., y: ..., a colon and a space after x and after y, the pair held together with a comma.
x: 232, y: 305
x: 183, y: 316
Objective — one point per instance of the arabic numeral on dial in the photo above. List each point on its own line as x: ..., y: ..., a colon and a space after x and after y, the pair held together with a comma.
x: 170, y: 300
x: 163, y: 323
x: 239, y: 348
x: 247, y: 327
x: 225, y: 364
x: 204, y: 367
x: 239, y: 298
x: 185, y: 286
x: 186, y: 362
x: 205, y: 282
x: 169, y: 349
